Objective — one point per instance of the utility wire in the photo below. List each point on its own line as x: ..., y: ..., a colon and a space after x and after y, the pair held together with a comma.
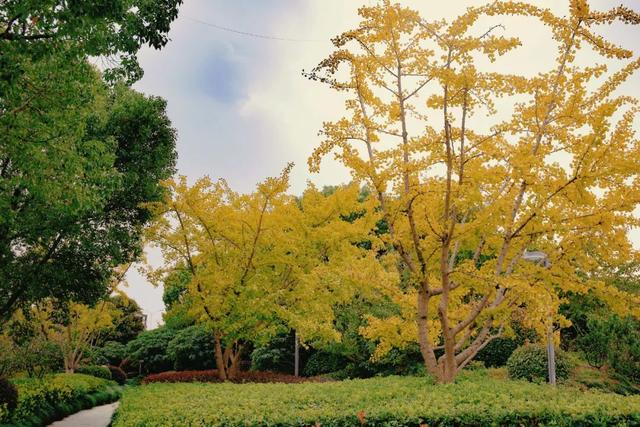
x: 245, y: 33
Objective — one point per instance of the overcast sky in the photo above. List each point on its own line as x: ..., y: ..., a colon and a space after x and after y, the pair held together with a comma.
x: 241, y: 106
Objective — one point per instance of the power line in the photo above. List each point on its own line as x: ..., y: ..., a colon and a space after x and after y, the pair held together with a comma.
x: 245, y: 33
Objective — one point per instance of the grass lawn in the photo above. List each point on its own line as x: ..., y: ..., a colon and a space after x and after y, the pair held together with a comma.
x: 391, y: 401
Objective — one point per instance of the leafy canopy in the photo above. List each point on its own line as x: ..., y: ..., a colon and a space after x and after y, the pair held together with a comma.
x: 465, y: 158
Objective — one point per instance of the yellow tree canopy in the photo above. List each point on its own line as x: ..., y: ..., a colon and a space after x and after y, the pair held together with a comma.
x: 265, y: 261
x: 475, y: 169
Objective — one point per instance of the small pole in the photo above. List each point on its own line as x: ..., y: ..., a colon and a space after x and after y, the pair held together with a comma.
x: 551, y: 356
x: 296, y: 363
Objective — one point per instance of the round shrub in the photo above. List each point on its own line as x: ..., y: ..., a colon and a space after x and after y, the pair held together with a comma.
x: 8, y: 394
x: 192, y: 348
x: 111, y: 353
x: 529, y: 362
x: 117, y: 374
x: 95, y: 371
x: 149, y: 350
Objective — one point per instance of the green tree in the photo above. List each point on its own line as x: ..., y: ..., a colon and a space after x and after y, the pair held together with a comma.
x: 113, y: 28
x: 75, y: 166
x: 129, y: 324
x: 149, y: 350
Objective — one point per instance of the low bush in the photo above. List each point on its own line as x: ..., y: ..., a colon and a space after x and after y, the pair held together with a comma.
x: 212, y: 376
x: 41, y: 401
x: 529, y: 362
x: 388, y: 401
x: 95, y: 371
x: 117, y: 374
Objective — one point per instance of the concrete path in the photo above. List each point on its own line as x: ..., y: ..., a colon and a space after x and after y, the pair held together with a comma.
x: 100, y: 416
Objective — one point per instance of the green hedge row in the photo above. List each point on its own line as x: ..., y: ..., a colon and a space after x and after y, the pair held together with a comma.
x: 49, y: 399
x: 389, y: 401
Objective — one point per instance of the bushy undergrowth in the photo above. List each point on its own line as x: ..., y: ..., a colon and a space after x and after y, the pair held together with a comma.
x: 41, y: 401
x: 389, y: 401
x: 212, y: 376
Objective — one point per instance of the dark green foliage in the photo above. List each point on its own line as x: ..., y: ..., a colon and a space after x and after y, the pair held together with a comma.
x: 594, y: 342
x: 498, y: 351
x: 624, y: 348
x: 603, y: 338
x: 175, y: 287
x: 176, y: 300
x: 8, y: 394
x: 278, y: 355
x: 117, y: 374
x: 111, y: 353
x: 39, y: 357
x: 321, y: 363
x: 529, y: 362
x: 95, y: 371
x: 149, y: 350
x: 192, y: 348
x: 129, y: 325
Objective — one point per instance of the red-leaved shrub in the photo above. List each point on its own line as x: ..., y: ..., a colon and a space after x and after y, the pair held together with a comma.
x: 211, y: 376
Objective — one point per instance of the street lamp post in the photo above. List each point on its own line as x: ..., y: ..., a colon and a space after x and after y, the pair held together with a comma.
x: 540, y: 257
x: 296, y: 362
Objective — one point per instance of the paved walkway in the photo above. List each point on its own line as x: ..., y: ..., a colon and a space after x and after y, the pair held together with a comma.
x: 100, y: 416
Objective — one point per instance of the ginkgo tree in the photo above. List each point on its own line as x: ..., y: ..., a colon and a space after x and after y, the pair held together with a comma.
x: 472, y: 167
x: 265, y: 262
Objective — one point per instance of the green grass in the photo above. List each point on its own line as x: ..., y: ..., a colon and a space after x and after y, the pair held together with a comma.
x: 56, y: 396
x: 475, y: 400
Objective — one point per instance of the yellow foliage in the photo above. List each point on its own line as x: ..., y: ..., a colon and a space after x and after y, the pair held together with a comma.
x: 493, y: 213
x: 266, y: 261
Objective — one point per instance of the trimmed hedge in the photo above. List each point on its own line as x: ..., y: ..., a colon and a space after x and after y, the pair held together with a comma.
x: 42, y: 401
x: 95, y: 371
x: 388, y: 401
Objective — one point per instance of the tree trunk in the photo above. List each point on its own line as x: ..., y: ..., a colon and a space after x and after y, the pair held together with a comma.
x: 232, y: 371
x: 220, y: 363
x: 426, y: 350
